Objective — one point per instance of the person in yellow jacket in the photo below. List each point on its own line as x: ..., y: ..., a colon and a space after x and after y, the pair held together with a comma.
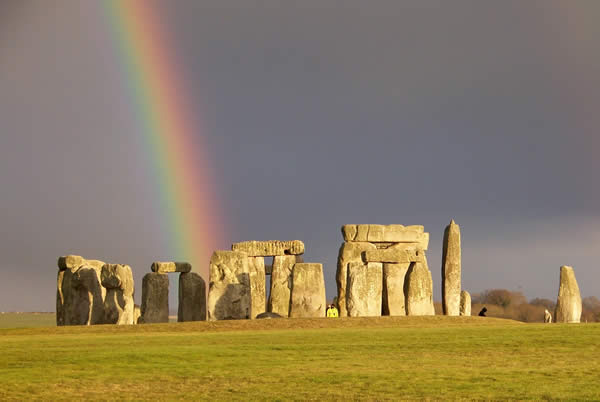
x: 332, y: 311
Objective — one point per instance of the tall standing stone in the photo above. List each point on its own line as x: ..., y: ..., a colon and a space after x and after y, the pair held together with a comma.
x: 394, y: 275
x: 465, y: 303
x: 118, y: 303
x: 451, y: 267
x: 192, y: 297
x: 350, y: 252
x: 258, y: 293
x: 418, y: 289
x: 155, y: 298
x: 364, y: 289
x: 308, y: 291
x: 281, y: 284
x: 568, y: 304
x: 229, y: 294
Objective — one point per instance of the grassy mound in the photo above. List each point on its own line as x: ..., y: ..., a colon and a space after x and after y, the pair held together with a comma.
x: 366, y: 358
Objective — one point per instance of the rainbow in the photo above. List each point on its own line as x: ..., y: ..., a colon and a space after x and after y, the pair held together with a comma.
x: 170, y: 131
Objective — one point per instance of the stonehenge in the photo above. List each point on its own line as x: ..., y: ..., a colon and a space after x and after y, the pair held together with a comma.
x: 465, y: 303
x: 229, y: 286
x: 451, y: 267
x: 308, y: 291
x: 374, y: 269
x: 192, y: 297
x: 155, y: 298
x: 118, y: 303
x: 568, y: 303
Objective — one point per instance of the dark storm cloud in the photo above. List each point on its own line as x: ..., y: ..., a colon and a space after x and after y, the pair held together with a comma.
x: 316, y: 114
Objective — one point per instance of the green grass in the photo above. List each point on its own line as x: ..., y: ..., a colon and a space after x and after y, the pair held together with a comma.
x: 350, y: 358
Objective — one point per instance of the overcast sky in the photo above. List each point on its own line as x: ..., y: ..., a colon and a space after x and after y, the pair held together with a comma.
x: 315, y: 114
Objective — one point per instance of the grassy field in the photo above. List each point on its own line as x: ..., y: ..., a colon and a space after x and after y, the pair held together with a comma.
x: 357, y: 358
x: 20, y: 320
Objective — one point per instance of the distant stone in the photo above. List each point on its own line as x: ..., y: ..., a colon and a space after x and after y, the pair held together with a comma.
x: 166, y: 267
x: 547, y: 317
x: 419, y: 290
x: 137, y: 313
x: 269, y: 248
x: 258, y: 292
x: 393, y: 289
x: 268, y: 315
x: 308, y: 291
x: 192, y: 297
x: 386, y: 233
x: 349, y: 253
x: 364, y: 289
x: 451, y: 270
x: 155, y: 298
x: 568, y: 304
x: 118, y: 303
x: 281, y: 284
x: 465, y: 303
x: 229, y: 294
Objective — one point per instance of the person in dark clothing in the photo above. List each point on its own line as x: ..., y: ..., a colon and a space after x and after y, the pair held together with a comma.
x: 482, y: 312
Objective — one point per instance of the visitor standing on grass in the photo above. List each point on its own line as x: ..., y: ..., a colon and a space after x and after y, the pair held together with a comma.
x: 332, y: 311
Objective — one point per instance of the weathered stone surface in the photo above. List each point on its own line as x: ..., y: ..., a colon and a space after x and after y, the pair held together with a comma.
x: 547, y: 317
x: 281, y: 284
x: 137, y: 313
x: 118, y: 303
x: 418, y: 290
x: 465, y: 303
x: 258, y: 292
x: 76, y: 261
x: 192, y: 297
x: 364, y: 289
x: 155, y: 298
x: 166, y: 267
x: 386, y: 233
x: 393, y: 288
x: 568, y: 304
x: 395, y: 254
x: 308, y: 291
x: 229, y: 294
x: 269, y: 248
x: 451, y: 268
x: 349, y: 253
x: 268, y: 315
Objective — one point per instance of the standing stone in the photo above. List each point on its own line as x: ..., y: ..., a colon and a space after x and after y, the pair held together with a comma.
x: 418, y: 290
x: 547, y: 317
x: 229, y: 286
x: 568, y: 304
x: 364, y: 289
x: 465, y: 303
x: 393, y: 289
x: 308, y: 291
x: 118, y: 303
x: 349, y: 252
x: 258, y: 293
x: 451, y: 266
x: 192, y: 297
x: 281, y: 284
x: 155, y: 298
x: 79, y: 297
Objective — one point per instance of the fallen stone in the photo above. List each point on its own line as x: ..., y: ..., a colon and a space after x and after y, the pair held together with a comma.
x: 118, y: 303
x: 166, y: 267
x: 465, y: 303
x: 451, y: 270
x: 364, y: 289
x: 269, y: 248
x: 258, y: 292
x: 394, y: 254
x: 281, y: 284
x: 386, y: 233
x: 349, y: 253
x: 308, y: 291
x: 155, y: 298
x: 393, y: 289
x: 568, y: 304
x: 192, y: 297
x: 268, y: 315
x: 418, y: 290
x: 229, y: 294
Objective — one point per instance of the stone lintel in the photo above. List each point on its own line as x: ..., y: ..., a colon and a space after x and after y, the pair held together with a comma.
x: 166, y: 267
x: 269, y: 248
x: 394, y: 255
x: 386, y: 234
